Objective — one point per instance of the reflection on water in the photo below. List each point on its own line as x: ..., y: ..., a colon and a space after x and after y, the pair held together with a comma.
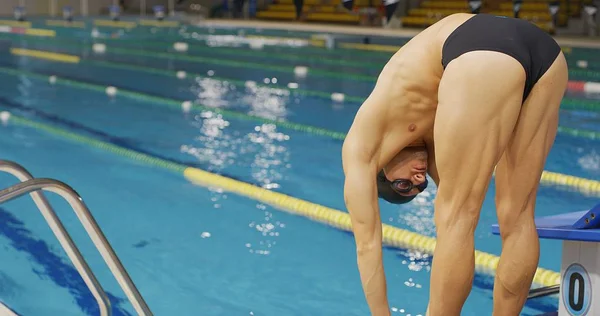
x: 267, y: 229
x: 415, y: 261
x: 590, y: 162
x: 263, y: 151
x: 271, y: 160
x: 418, y: 215
x: 258, y: 100
x: 401, y: 311
x: 216, y: 145
x: 271, y: 156
x: 212, y: 92
x: 241, y: 40
x: 267, y: 102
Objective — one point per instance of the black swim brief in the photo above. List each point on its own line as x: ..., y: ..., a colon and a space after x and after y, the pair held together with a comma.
x: 535, y: 49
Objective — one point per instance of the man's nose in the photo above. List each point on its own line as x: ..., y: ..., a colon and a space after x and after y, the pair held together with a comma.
x: 419, y: 178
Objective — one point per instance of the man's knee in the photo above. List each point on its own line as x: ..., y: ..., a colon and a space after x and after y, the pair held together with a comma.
x: 457, y: 215
x: 513, y: 214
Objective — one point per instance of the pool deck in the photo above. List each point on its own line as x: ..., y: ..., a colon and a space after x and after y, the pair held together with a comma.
x: 365, y: 30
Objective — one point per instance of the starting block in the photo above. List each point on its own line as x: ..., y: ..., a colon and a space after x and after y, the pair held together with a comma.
x: 579, y: 292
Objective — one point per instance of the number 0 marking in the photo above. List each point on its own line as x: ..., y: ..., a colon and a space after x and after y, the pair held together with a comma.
x: 576, y: 290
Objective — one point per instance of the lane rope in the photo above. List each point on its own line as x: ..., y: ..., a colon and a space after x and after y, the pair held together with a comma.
x: 236, y: 63
x: 67, y: 24
x: 550, y: 178
x: 164, y: 46
x: 392, y: 236
x: 567, y: 103
x: 591, y: 87
x: 116, y: 24
x: 65, y: 58
x: 323, y: 73
x: 354, y: 48
x: 175, y: 104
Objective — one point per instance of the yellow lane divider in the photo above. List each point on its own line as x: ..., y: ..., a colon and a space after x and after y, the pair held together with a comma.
x: 371, y: 47
x: 40, y: 32
x: 61, y: 23
x: 119, y: 24
x: 580, y: 184
x: 359, y: 46
x: 311, y: 41
x: 45, y: 55
x: 395, y: 48
x: 14, y: 23
x: 397, y: 237
x: 156, y: 23
x: 27, y: 31
x: 392, y: 236
x: 583, y: 185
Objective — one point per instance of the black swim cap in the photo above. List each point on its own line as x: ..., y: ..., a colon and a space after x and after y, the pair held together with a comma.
x: 386, y: 192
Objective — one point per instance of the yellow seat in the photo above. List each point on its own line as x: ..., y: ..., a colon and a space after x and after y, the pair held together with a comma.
x: 545, y: 26
x: 435, y: 12
x: 531, y: 6
x: 281, y: 7
x: 312, y: 2
x: 332, y: 17
x: 276, y: 15
x: 421, y: 21
x: 539, y: 16
x: 574, y: 7
x: 316, y: 16
x: 527, y: 15
x: 327, y: 2
x: 292, y: 8
x: 463, y: 5
x: 418, y: 21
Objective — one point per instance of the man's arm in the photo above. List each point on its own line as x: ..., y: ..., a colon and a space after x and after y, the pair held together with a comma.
x: 360, y: 195
x: 383, y: 126
x: 369, y: 143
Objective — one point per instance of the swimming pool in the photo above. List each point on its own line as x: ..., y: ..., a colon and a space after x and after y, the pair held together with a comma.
x: 197, y: 251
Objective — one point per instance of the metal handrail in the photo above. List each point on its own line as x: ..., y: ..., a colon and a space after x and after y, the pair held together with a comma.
x: 544, y: 291
x: 92, y: 228
x: 63, y: 237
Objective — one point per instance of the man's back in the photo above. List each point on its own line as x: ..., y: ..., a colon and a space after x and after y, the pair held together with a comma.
x: 414, y: 72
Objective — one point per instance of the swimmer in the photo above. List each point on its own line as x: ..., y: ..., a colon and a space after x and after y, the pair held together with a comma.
x: 468, y: 95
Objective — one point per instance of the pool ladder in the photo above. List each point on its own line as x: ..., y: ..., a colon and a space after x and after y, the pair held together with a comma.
x: 30, y: 185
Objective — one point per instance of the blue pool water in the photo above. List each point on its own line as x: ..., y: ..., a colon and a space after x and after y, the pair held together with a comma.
x: 195, y: 251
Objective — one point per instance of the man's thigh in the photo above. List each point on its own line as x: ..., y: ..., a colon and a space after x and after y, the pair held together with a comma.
x: 480, y: 99
x: 520, y: 168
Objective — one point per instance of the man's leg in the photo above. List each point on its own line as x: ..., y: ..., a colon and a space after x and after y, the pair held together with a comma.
x: 517, y: 180
x: 480, y: 98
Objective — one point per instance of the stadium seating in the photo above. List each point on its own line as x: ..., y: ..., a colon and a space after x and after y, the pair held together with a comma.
x: 536, y: 11
x: 315, y: 10
x: 429, y: 11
